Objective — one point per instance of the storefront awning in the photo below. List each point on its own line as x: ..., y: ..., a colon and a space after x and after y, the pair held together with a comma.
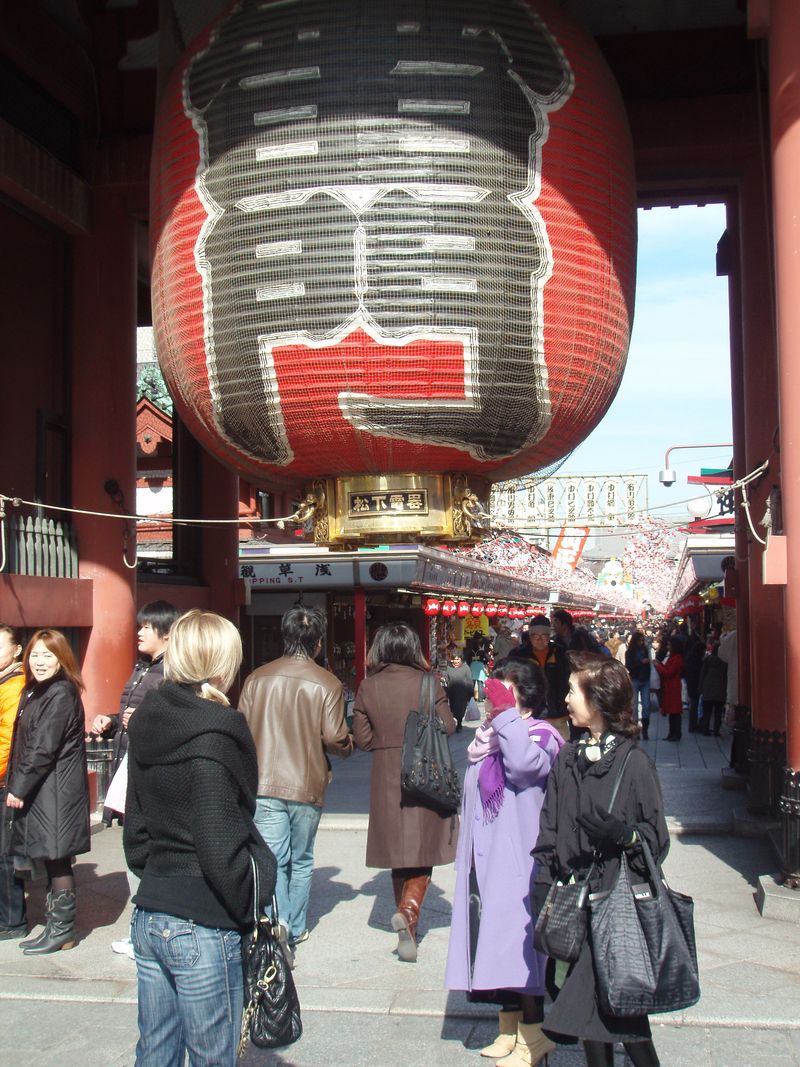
x: 414, y: 568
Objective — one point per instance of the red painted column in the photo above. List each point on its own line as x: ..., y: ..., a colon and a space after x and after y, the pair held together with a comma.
x: 360, y: 634
x: 104, y: 440
x: 735, y: 299
x: 784, y: 76
x: 220, y: 544
x: 784, y: 92
x: 760, y: 383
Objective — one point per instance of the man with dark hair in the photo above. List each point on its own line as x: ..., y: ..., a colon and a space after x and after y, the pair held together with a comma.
x: 295, y: 711
x: 563, y: 627
x: 552, y: 658
x: 155, y: 621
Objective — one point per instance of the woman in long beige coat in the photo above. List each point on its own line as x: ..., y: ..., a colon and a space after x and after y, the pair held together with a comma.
x: 405, y: 837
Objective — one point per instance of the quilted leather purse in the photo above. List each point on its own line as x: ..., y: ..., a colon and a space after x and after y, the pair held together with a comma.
x: 563, y: 922
x: 427, y: 774
x: 271, y: 1017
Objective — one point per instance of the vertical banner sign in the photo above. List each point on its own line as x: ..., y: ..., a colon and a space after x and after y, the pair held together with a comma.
x: 550, y: 502
x: 630, y: 502
x: 569, y: 546
x: 590, y: 508
x: 611, y: 503
x: 572, y: 499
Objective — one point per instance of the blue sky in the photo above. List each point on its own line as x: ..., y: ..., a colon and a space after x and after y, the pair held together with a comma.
x: 676, y: 387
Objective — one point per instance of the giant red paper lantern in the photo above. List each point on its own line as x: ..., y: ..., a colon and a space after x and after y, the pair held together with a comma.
x: 392, y: 237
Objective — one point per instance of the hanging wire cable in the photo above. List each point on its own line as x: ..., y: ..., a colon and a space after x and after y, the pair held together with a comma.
x: 17, y: 502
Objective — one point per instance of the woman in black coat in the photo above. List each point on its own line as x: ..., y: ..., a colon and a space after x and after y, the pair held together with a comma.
x: 576, y: 822
x: 47, y: 789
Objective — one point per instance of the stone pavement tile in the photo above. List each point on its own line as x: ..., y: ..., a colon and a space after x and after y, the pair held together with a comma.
x: 751, y: 1048
x: 61, y: 1035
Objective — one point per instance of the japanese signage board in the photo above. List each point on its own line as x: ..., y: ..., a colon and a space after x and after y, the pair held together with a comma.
x: 569, y: 546
x: 399, y: 501
x: 571, y: 500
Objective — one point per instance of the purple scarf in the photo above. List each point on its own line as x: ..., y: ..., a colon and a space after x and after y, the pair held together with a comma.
x: 485, y: 749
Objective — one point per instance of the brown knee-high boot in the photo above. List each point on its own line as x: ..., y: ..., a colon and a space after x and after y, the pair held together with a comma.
x: 404, y: 920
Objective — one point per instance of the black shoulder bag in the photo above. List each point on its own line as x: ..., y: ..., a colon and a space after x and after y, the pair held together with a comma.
x: 427, y: 774
x: 645, y: 959
x: 563, y: 922
x: 271, y: 1017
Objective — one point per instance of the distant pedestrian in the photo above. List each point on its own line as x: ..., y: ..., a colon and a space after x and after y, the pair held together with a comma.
x: 459, y: 686
x: 13, y: 922
x: 46, y: 784
x: 404, y: 836
x: 491, y: 951
x: 552, y: 659
x: 479, y: 669
x: 671, y: 696
x: 576, y: 827
x: 295, y: 711
x: 637, y: 663
x: 155, y: 620
x: 713, y: 688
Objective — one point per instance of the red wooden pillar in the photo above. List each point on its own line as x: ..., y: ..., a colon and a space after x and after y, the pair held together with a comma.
x: 220, y: 544
x: 104, y: 440
x: 360, y: 633
x: 732, y: 266
x: 760, y: 388
x: 784, y: 91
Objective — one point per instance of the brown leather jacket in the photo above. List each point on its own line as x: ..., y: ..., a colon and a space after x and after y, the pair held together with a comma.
x: 295, y: 711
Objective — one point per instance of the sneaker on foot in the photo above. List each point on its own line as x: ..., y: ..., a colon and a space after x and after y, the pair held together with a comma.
x: 123, y: 948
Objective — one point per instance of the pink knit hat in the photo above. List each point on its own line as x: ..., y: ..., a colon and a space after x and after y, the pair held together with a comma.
x: 500, y: 695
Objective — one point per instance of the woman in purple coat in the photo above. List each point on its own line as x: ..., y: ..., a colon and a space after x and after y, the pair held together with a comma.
x: 491, y: 951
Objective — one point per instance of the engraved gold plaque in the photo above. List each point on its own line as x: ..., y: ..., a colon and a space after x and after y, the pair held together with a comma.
x: 371, y: 509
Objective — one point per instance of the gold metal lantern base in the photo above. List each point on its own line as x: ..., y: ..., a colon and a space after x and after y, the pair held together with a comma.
x: 381, y: 509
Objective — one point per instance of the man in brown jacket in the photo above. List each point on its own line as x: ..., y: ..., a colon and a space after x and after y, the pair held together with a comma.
x: 295, y: 711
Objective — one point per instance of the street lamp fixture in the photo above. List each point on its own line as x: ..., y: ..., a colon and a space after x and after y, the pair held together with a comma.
x: 667, y: 476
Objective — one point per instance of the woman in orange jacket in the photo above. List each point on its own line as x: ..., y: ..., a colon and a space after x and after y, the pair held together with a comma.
x: 12, y: 682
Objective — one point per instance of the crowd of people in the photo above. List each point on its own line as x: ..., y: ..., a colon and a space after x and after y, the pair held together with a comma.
x: 213, y: 796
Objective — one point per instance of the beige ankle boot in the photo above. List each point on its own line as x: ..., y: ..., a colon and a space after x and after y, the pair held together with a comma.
x: 531, y: 1047
x: 507, y: 1038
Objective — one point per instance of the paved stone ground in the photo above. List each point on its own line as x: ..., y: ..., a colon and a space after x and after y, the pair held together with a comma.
x: 363, y: 1007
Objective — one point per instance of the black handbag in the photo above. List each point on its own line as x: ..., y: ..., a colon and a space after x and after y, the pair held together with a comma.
x: 643, y: 944
x: 427, y: 774
x: 563, y: 922
x: 271, y: 1017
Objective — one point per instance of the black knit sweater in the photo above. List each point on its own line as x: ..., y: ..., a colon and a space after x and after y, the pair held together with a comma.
x: 188, y: 831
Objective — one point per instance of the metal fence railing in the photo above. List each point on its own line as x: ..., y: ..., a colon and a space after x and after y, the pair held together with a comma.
x: 42, y: 547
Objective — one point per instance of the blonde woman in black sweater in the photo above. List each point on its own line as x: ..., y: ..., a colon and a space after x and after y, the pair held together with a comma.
x: 189, y: 836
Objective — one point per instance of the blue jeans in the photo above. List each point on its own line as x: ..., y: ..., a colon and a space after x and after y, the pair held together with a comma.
x: 190, y: 991
x: 641, y: 689
x: 290, y: 828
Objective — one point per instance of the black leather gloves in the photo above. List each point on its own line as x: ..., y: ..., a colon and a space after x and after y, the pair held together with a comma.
x: 538, y: 897
x: 601, y: 825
